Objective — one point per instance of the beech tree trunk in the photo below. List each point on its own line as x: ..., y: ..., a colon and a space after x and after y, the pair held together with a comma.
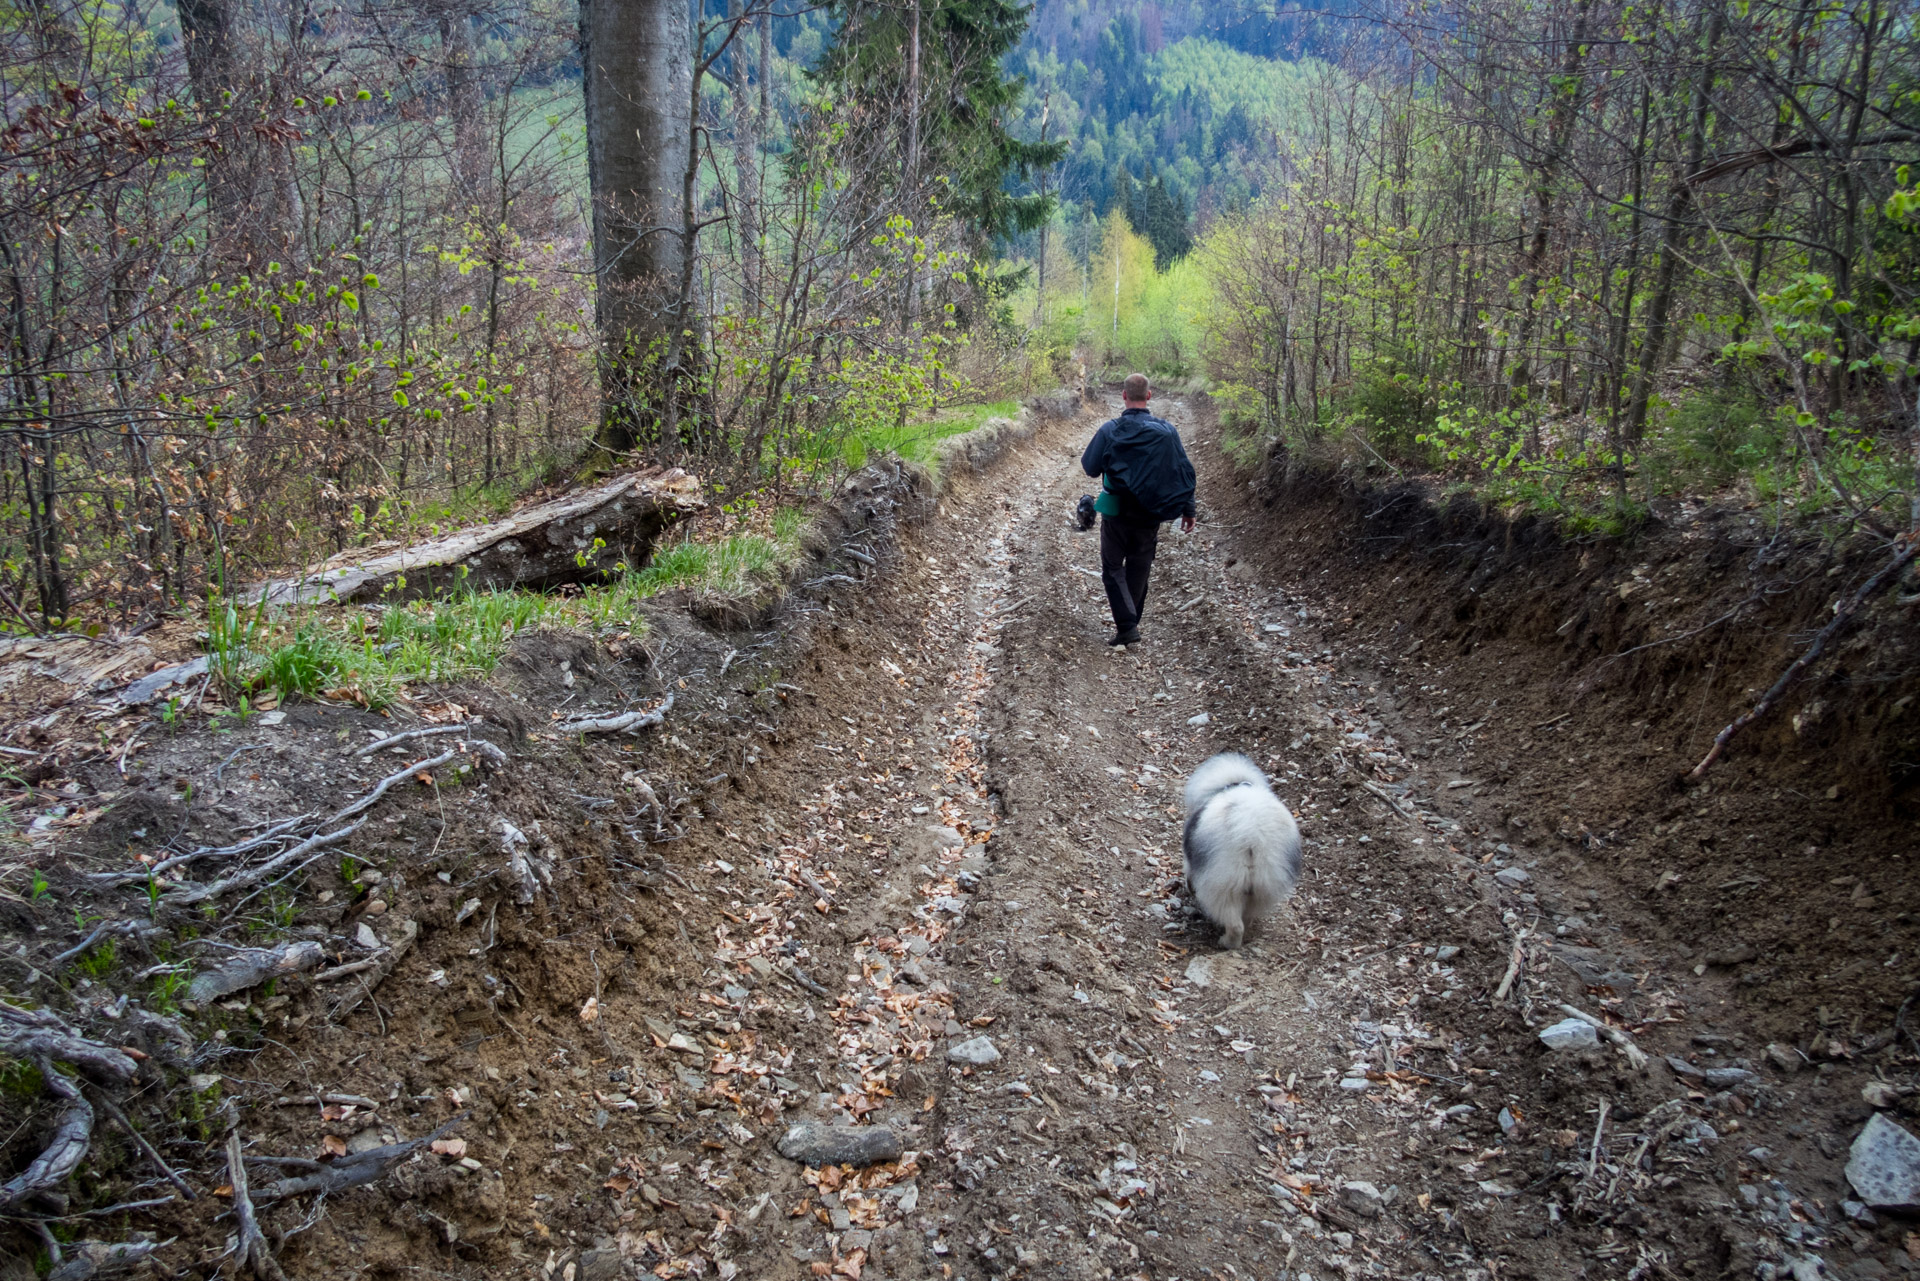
x: 637, y: 75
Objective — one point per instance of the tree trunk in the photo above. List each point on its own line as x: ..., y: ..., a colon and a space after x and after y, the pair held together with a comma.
x: 1679, y: 214
x: 910, y: 174
x: 637, y: 75
x: 1567, y: 93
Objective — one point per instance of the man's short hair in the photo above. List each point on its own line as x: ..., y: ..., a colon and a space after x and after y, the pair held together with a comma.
x: 1135, y: 388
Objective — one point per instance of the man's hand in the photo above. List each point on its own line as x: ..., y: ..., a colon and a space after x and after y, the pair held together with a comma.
x: 1186, y: 524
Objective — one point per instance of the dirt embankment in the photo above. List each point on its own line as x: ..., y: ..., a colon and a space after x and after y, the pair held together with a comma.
x: 509, y: 934
x: 1587, y: 677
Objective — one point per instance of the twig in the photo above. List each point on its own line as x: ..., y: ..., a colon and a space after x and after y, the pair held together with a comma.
x: 194, y: 893
x: 1392, y: 803
x: 33, y: 1035
x: 252, y: 1247
x: 626, y: 723
x: 1842, y: 615
x: 353, y: 1171
x: 112, y: 1109
x: 1599, y: 1132
x: 1555, y: 721
x: 391, y: 739
x: 1514, y: 963
x: 409, y: 931
x: 315, y: 1100
x: 166, y: 865
x: 380, y: 788
x: 352, y: 967
x: 1635, y: 1055
x: 84, y: 943
x: 133, y: 741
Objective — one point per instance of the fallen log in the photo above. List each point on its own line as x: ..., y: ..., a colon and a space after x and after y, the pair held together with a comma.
x: 578, y: 537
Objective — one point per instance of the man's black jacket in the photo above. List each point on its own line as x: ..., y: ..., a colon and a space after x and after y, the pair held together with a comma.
x: 1145, y: 465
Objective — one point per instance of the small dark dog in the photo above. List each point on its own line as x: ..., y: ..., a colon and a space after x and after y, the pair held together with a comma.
x: 1242, y: 846
x: 1083, y: 514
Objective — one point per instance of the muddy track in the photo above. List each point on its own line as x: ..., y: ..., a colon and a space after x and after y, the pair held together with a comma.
x: 1362, y: 1090
x: 950, y: 821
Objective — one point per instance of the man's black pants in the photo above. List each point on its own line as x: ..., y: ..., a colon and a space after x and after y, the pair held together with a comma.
x: 1126, y: 558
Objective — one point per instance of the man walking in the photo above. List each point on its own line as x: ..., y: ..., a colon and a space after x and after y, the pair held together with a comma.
x: 1146, y: 480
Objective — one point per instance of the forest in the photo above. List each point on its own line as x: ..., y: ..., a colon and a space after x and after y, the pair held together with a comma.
x: 562, y: 714
x: 364, y: 260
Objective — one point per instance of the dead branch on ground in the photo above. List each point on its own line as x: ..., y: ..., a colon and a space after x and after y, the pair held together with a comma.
x: 625, y: 723
x: 251, y: 1247
x: 352, y: 1171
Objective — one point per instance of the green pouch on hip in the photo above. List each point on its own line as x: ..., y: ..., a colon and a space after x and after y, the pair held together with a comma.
x: 1106, y: 504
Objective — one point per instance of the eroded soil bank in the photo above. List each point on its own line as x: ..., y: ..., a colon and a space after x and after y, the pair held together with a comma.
x: 929, y: 806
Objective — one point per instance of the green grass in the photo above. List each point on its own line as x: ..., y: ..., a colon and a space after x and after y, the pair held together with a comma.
x: 368, y: 655
x: 915, y: 440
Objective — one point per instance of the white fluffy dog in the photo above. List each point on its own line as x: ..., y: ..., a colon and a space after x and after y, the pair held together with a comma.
x: 1242, y: 846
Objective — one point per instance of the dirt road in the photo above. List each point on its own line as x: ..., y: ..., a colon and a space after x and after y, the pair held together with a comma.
x: 1360, y: 1091
x: 910, y: 862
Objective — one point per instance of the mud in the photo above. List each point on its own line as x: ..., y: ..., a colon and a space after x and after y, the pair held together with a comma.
x: 930, y: 806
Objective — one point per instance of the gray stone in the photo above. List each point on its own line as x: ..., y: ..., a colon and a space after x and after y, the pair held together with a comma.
x: 1508, y: 1122
x: 1720, y: 1078
x: 1783, y: 1057
x: 817, y: 1143
x: 976, y: 1053
x: 602, y: 1263
x: 1445, y: 954
x: 1884, y: 1166
x: 1514, y: 876
x: 1199, y: 971
x: 366, y: 1141
x: 1858, y: 1213
x: 1362, y: 1198
x: 1570, y: 1034
x: 1202, y: 719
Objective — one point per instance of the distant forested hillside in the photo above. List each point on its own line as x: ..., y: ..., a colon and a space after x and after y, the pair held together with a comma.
x: 1171, y: 110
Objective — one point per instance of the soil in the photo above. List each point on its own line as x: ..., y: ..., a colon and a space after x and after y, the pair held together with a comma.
x: 930, y: 805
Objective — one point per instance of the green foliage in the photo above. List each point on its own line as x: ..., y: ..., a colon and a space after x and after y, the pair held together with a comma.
x: 37, y: 889
x: 97, y: 962
x: 313, y: 661
x: 20, y: 1081
x: 1713, y: 436
x: 964, y: 135
x: 1386, y: 404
